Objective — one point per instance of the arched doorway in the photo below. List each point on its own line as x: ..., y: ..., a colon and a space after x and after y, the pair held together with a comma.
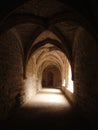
x: 51, y: 77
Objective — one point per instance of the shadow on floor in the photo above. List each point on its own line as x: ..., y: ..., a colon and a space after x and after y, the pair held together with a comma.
x: 46, y: 116
x: 23, y: 120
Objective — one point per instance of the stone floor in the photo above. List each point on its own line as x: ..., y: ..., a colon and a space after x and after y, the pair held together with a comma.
x: 49, y: 109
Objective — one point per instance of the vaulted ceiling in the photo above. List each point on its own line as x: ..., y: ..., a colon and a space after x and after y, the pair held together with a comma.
x: 38, y: 22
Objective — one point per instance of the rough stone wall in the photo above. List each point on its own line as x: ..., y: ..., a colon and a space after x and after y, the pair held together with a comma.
x: 86, y: 74
x: 11, y: 79
x: 30, y: 87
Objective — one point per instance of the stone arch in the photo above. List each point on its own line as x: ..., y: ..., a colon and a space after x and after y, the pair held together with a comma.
x: 51, y: 77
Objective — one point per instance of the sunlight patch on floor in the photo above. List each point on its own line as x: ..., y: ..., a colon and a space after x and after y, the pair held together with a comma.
x: 49, y: 97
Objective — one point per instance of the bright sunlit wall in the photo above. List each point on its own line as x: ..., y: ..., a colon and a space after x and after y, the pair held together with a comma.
x: 67, y: 82
x: 70, y: 82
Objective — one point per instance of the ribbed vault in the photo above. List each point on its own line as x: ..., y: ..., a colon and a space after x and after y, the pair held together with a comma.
x: 40, y: 39
x: 39, y: 22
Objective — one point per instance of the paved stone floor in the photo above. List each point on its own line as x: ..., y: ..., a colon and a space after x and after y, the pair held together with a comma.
x: 48, y: 110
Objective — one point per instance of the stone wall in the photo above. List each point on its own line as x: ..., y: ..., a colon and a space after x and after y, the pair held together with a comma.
x: 68, y: 89
x: 11, y: 73
x: 31, y: 82
x: 86, y: 74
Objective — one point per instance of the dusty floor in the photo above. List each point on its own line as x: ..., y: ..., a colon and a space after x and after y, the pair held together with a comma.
x: 49, y: 109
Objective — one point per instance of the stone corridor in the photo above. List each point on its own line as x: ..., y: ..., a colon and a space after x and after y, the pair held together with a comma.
x: 48, y: 64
